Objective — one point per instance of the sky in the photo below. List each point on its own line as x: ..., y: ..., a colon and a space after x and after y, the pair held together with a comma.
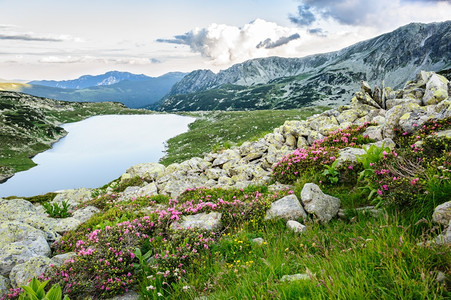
x: 61, y: 39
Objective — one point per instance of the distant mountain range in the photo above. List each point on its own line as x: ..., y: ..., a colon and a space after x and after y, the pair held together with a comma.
x: 86, y: 81
x: 135, y: 91
x: 331, y: 78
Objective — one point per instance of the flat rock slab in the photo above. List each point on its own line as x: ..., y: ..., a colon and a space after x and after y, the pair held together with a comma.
x: 211, y: 221
x: 288, y: 208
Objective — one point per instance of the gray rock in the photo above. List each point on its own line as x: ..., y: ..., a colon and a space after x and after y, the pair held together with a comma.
x: 442, y: 213
x: 132, y: 295
x: 73, y: 197
x: 441, y: 277
x: 63, y: 225
x: 22, y: 273
x: 348, y: 155
x: 323, y: 207
x: 18, y: 243
x: 374, y: 132
x: 5, y: 285
x: 215, y: 173
x: 296, y: 226
x: 85, y: 213
x: 445, y: 237
x: 210, y: 221
x: 387, y: 142
x: 148, y: 171
x: 226, y: 156
x: 294, y: 277
x: 436, y: 90
x: 258, y: 240
x: 62, y: 258
x: 288, y: 208
x: 150, y: 189
x: 16, y: 209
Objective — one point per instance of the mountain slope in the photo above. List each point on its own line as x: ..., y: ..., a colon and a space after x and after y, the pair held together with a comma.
x: 86, y: 81
x: 134, y: 94
x: 329, y: 78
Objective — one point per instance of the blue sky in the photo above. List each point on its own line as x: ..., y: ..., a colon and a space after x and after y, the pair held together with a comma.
x: 49, y: 39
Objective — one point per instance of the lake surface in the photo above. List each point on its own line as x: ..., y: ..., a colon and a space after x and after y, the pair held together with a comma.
x: 95, y: 152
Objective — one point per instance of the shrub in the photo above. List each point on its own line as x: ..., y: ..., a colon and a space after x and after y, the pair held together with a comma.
x: 322, y: 152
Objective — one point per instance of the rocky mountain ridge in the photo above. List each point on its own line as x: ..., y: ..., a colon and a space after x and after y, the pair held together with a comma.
x: 321, y: 79
x: 135, y: 91
x: 86, y: 81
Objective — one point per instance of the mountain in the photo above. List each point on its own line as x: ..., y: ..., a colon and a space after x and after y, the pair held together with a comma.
x: 134, y: 94
x: 86, y: 81
x: 324, y: 79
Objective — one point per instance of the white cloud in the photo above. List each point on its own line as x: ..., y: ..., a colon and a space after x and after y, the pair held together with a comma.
x: 225, y: 44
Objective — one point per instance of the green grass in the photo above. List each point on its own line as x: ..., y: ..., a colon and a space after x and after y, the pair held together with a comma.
x: 217, y: 130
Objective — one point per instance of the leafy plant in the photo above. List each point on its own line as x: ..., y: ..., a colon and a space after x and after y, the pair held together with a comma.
x: 331, y: 172
x: 56, y: 211
x: 372, y: 155
x: 35, y: 291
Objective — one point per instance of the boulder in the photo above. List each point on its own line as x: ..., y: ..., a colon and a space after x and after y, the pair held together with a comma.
x: 215, y: 173
x: 63, y: 225
x: 442, y: 213
x: 323, y: 207
x: 22, y: 273
x: 210, y: 221
x: 85, y: 213
x: 147, y: 171
x: 436, y: 90
x: 296, y: 226
x: 150, y: 189
x: 18, y: 243
x: 254, y: 149
x: 226, y: 156
x: 374, y: 132
x: 288, y: 208
x: 62, y: 258
x: 5, y: 285
x: 132, y: 295
x: 393, y: 116
x: 16, y: 209
x: 445, y: 237
x: 348, y: 155
x: 73, y: 197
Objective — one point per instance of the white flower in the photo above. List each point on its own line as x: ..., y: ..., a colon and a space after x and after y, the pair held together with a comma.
x: 151, y: 287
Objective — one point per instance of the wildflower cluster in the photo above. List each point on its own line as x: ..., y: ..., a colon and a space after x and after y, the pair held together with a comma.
x: 102, y: 266
x: 321, y: 152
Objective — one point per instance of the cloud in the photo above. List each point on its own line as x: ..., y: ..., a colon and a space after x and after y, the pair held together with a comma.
x: 38, y: 38
x: 92, y: 59
x: 225, y: 44
x: 381, y: 13
x: 304, y: 17
x: 269, y: 44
